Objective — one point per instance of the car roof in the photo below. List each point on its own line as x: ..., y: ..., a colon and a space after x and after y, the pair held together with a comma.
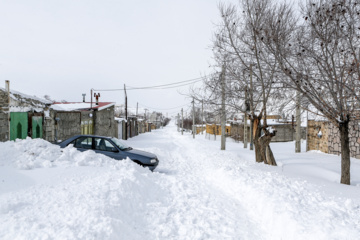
x: 87, y: 135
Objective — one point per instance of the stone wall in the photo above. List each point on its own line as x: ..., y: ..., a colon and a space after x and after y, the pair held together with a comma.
x: 4, y: 127
x: 105, y: 124
x: 354, y: 139
x: 4, y: 120
x: 3, y: 100
x: 284, y: 132
x: 237, y: 132
x: 68, y: 125
x: 49, y: 127
x: 314, y: 142
x: 330, y: 140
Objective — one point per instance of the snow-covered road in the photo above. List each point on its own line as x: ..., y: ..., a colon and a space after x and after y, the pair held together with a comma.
x: 197, y: 192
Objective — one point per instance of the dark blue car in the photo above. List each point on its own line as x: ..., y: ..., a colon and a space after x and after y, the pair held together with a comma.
x: 112, y: 147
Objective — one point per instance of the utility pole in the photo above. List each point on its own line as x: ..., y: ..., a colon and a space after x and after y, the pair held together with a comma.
x: 182, y: 122
x: 137, y: 106
x: 298, y: 124
x: 178, y: 122
x: 202, y: 116
x: 126, y: 117
x: 145, y: 113
x: 223, y: 116
x: 193, y: 125
x: 161, y: 121
x: 245, y: 119
x: 252, y: 110
x: 7, y: 89
x: 91, y: 94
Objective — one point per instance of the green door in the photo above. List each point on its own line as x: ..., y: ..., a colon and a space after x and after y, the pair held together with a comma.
x: 18, y: 125
x: 37, y: 127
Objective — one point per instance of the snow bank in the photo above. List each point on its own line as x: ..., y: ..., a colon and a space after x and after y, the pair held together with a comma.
x: 197, y: 192
x: 53, y: 193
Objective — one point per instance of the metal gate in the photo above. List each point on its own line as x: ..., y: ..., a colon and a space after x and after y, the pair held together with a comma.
x: 18, y: 125
x: 37, y: 128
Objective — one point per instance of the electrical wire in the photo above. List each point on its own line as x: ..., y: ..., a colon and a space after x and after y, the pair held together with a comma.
x: 158, y: 88
x: 163, y: 108
x: 164, y: 86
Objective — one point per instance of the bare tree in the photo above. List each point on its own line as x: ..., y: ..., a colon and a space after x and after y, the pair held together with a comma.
x: 250, y: 65
x: 320, y: 58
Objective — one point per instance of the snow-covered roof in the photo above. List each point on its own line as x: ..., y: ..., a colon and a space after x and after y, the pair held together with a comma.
x: 120, y: 119
x: 80, y: 106
x: 19, y: 96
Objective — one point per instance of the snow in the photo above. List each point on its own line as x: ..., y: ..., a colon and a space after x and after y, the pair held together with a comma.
x: 197, y: 192
x: 71, y: 106
x: 22, y: 95
x: 78, y: 106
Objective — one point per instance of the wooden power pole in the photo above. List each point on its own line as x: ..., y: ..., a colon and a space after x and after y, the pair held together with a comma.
x: 298, y: 124
x: 202, y: 116
x: 245, y: 119
x: 182, y: 122
x: 126, y: 116
x: 223, y: 112
x: 193, y: 125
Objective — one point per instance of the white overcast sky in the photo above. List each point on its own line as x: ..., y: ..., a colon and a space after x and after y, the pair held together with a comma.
x: 63, y: 48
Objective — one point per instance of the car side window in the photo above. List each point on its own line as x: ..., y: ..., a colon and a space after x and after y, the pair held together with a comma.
x: 104, y: 145
x: 83, y: 142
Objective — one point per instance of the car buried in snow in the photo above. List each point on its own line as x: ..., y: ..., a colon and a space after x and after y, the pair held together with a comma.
x: 113, y: 148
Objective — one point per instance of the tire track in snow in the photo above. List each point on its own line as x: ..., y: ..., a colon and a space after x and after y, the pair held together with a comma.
x: 233, y: 189
x: 197, y: 209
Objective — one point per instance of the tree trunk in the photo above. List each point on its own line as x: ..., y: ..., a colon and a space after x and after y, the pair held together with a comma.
x: 270, y: 156
x: 257, y: 134
x: 345, y: 152
x: 266, y: 153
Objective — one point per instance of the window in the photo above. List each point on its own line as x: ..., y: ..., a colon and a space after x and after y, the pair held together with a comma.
x: 104, y: 145
x: 83, y: 142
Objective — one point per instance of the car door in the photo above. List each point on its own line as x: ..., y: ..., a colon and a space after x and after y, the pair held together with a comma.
x: 83, y: 143
x: 104, y: 146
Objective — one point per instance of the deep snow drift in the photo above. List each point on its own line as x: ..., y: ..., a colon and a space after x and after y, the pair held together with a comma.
x: 197, y: 192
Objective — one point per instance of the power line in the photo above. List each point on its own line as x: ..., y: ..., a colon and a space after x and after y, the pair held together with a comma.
x: 158, y: 88
x: 163, y: 108
x: 191, y: 82
x: 164, y: 86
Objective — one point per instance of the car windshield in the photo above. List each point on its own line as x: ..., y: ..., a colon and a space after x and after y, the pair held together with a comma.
x: 121, y: 144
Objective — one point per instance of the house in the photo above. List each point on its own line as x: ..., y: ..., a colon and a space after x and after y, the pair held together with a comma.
x: 22, y: 115
x: 73, y: 118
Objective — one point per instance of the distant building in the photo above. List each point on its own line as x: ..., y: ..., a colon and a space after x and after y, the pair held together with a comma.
x: 84, y: 118
x: 22, y: 115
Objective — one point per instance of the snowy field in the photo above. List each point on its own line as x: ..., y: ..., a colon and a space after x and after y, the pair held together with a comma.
x: 197, y: 192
